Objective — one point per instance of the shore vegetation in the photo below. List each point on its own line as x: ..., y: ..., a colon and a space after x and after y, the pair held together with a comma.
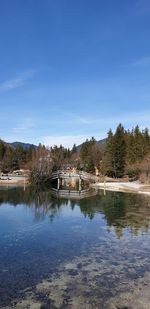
x: 122, y: 153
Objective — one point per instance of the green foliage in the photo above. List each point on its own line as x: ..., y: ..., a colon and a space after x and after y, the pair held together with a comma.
x: 14, y: 158
x: 85, y: 149
x: 138, y: 145
x: 87, y: 155
x: 2, y: 149
x: 119, y: 155
x: 115, y: 153
x: 124, y: 151
x: 108, y: 156
x: 74, y: 149
x: 60, y: 156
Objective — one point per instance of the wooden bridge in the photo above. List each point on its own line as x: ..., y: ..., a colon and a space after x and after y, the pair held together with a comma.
x: 80, y: 175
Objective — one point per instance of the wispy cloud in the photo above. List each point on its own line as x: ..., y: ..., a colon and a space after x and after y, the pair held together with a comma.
x: 17, y: 81
x: 71, y: 117
x: 31, y: 129
x: 24, y: 125
x: 142, y: 62
x: 102, y: 125
x: 68, y: 119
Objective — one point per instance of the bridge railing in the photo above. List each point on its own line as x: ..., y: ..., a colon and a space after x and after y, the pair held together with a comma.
x: 87, y: 175
x: 67, y: 174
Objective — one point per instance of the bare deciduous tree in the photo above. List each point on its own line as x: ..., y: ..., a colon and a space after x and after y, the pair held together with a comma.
x: 42, y: 165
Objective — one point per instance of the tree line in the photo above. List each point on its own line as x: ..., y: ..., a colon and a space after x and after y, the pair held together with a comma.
x: 124, y: 153
x: 15, y: 158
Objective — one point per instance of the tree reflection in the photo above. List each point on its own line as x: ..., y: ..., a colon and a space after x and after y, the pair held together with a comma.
x: 120, y: 211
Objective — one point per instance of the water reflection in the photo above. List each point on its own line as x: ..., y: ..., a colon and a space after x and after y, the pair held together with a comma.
x: 67, y: 252
x: 120, y: 211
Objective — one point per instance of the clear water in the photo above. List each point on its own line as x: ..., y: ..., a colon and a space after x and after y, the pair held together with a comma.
x: 89, y: 252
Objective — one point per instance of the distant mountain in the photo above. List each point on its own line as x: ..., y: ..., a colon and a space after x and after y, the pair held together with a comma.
x: 27, y: 145
x: 100, y: 142
x: 24, y: 145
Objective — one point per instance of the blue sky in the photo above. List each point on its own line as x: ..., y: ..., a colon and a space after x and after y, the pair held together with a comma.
x: 70, y: 70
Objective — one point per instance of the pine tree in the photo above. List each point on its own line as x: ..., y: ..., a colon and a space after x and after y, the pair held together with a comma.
x: 119, y: 152
x: 130, y: 154
x: 86, y: 154
x: 146, y: 142
x: 138, y: 144
x: 2, y: 149
x: 108, y: 157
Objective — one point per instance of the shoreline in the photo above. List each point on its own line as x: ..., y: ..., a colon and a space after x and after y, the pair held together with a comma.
x: 128, y: 187
x: 14, y: 180
x: 124, y: 186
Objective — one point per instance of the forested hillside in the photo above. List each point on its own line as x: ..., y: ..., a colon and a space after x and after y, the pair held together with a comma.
x: 123, y: 153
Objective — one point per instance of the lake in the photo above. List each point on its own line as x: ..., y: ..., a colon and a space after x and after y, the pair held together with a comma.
x: 87, y: 251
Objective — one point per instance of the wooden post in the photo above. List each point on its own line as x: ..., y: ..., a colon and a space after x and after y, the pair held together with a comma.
x: 80, y: 182
x: 104, y: 186
x: 24, y: 184
x: 58, y: 183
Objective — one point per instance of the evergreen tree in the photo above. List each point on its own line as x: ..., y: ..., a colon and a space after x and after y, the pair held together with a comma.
x: 74, y: 155
x: 8, y: 160
x: 86, y: 154
x: 146, y: 142
x: 74, y: 149
x: 2, y: 149
x: 138, y: 144
x: 108, y: 156
x: 119, y: 160
x: 130, y: 155
x: 115, y: 153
